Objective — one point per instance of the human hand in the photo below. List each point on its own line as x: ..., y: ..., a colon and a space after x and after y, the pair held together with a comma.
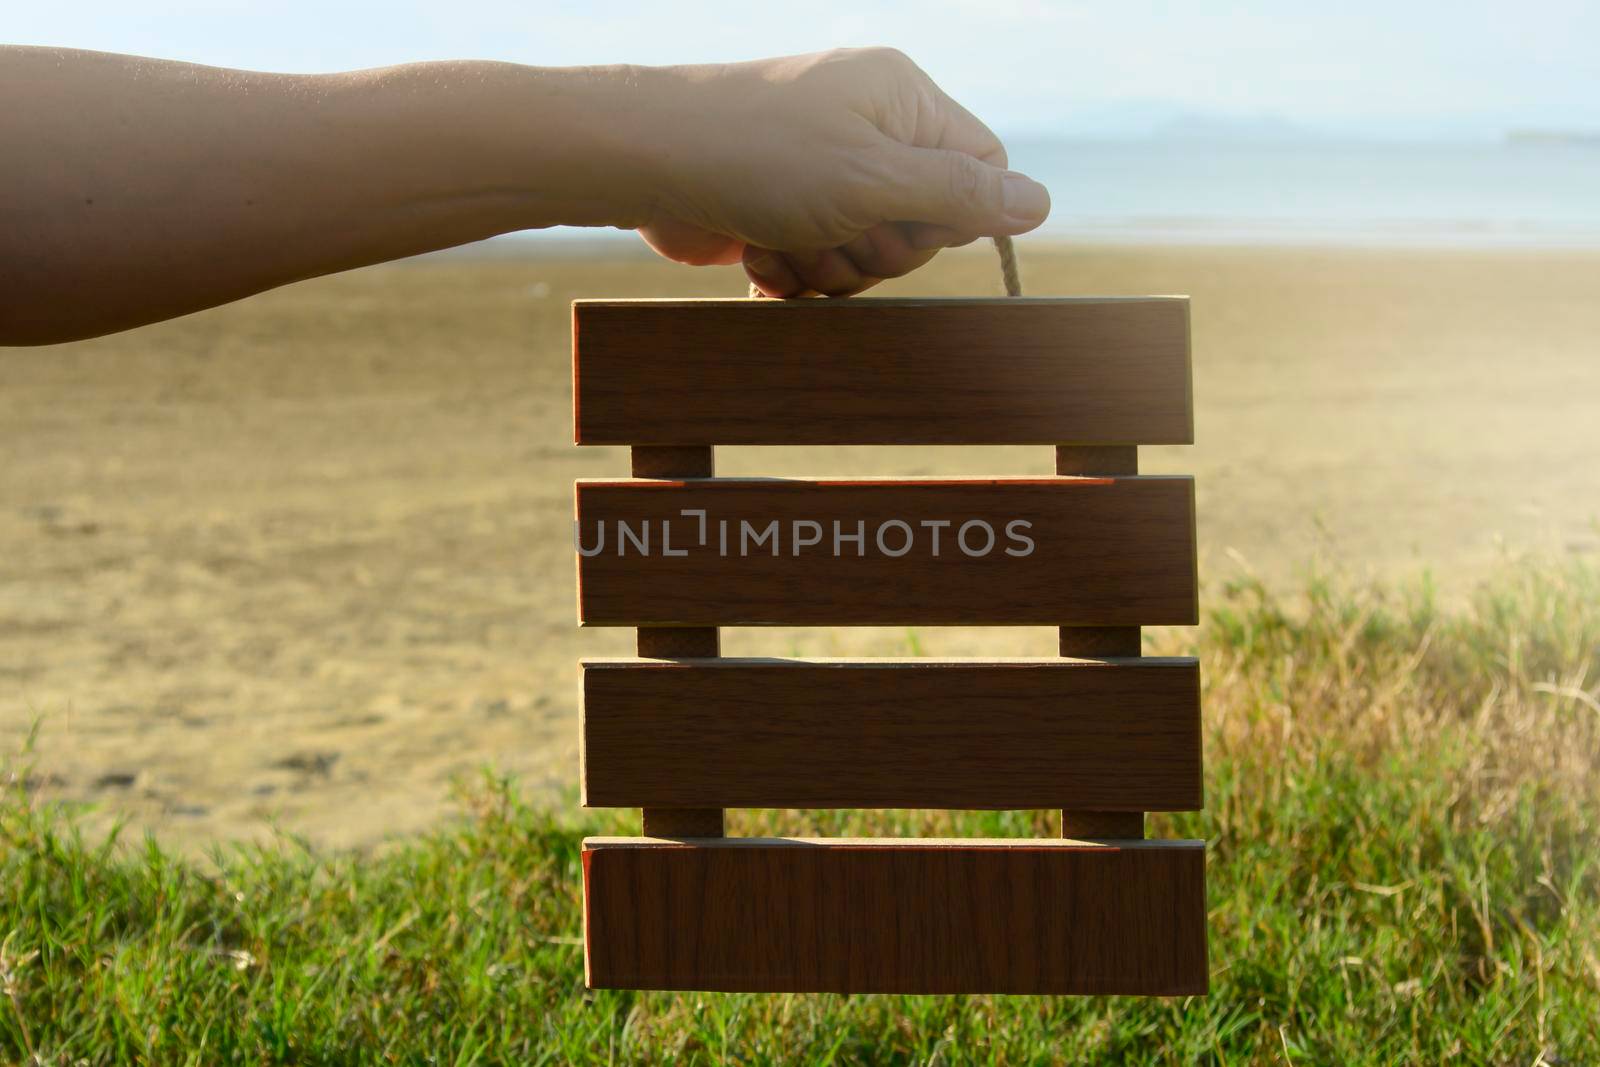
x: 823, y: 173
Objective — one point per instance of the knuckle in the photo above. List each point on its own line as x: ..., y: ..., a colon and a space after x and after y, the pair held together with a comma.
x: 889, y: 55
x: 881, y: 60
x: 966, y: 180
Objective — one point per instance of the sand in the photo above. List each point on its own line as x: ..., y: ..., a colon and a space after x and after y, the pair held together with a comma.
x: 303, y: 562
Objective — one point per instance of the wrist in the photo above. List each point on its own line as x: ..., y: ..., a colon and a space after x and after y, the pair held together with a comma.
x: 497, y: 147
x: 642, y: 129
x: 603, y: 145
x: 609, y: 130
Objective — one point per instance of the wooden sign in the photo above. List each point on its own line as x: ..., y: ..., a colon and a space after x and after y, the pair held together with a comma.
x: 1101, y: 734
x: 1015, y: 551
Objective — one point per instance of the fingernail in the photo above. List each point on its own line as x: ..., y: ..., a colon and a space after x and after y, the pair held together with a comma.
x: 1026, y: 201
x: 763, y: 264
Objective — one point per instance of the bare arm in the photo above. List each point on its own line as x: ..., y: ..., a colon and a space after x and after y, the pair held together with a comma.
x: 138, y: 189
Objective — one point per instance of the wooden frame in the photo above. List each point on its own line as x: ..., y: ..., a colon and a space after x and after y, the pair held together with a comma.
x: 1102, y: 734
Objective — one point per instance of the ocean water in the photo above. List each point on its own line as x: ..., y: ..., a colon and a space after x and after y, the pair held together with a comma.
x: 1538, y: 194
x: 1534, y: 195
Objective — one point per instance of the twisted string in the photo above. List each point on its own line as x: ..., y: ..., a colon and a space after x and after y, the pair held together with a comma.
x: 1008, y: 266
x: 1009, y: 275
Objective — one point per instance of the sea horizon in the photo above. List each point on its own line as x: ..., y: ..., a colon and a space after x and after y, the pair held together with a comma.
x: 1520, y: 192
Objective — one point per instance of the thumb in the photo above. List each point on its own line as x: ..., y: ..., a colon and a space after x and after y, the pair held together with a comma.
x: 962, y: 192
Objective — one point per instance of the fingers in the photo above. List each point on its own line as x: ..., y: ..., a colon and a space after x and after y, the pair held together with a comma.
x: 944, y: 124
x: 928, y: 235
x: 771, y: 273
x: 831, y: 273
x: 961, y: 131
x: 962, y: 193
x: 889, y: 251
x: 886, y: 251
x: 962, y: 199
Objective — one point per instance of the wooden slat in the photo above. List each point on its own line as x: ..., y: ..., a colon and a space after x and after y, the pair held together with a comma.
x: 671, y: 642
x: 872, y: 371
x: 1099, y: 641
x: 880, y: 916
x: 678, y: 642
x: 1081, y: 461
x: 1107, y: 551
x: 683, y: 822
x: 1092, y: 461
x: 675, y: 461
x: 1101, y: 824
x: 1107, y: 735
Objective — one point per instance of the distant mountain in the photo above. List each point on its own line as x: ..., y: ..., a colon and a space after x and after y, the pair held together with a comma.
x: 1142, y: 120
x: 1110, y: 120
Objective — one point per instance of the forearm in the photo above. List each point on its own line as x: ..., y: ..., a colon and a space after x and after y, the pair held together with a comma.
x: 141, y: 189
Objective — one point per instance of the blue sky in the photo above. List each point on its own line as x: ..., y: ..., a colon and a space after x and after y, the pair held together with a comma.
x: 1467, y: 68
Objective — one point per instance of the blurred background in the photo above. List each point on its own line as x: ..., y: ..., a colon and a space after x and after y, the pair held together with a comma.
x: 304, y: 560
x: 1364, y: 121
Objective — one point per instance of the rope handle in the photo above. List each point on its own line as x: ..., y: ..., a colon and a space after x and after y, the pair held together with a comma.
x: 1009, y: 275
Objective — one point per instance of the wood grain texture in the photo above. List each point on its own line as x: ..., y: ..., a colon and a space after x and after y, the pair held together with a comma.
x: 1102, y: 825
x: 683, y: 822
x: 1091, y: 460
x: 1111, y: 551
x: 875, y: 371
x: 1099, y: 640
x: 1111, y: 735
x: 675, y: 461
x: 671, y: 642
x: 853, y: 916
x: 678, y: 642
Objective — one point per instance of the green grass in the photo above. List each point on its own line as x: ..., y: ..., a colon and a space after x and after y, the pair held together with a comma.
x: 1402, y: 810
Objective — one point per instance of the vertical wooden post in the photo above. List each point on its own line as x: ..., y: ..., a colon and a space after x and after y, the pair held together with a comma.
x: 675, y: 642
x: 1096, y: 641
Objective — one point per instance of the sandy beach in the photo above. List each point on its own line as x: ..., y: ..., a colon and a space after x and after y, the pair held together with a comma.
x: 303, y: 561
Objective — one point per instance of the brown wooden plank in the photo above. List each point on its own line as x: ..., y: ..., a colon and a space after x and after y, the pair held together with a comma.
x: 671, y: 642
x: 678, y: 642
x: 1110, y: 735
x: 1091, y: 460
x: 1099, y: 640
x: 875, y: 371
x: 675, y: 461
x: 883, y: 916
x: 1105, y: 551
x: 683, y: 822
x: 1087, y: 818
x: 1104, y: 825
